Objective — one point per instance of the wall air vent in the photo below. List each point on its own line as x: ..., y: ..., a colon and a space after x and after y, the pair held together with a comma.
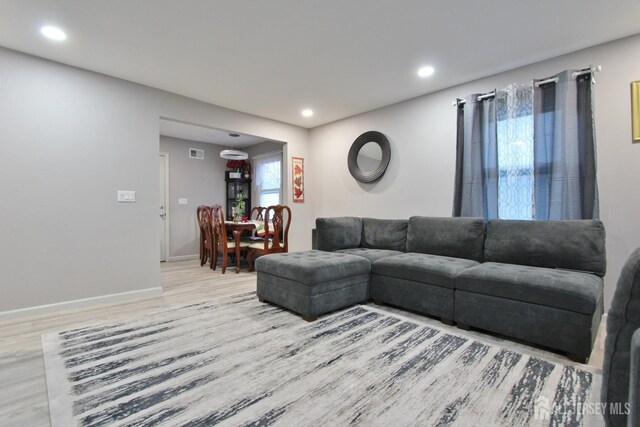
x: 195, y: 153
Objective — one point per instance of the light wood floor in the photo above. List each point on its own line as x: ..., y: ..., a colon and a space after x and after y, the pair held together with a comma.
x: 23, y: 392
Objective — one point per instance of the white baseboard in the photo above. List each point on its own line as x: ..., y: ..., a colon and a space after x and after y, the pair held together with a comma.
x: 182, y: 257
x: 79, y: 303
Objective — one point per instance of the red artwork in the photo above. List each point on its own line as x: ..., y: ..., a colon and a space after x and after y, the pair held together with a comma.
x: 298, y: 179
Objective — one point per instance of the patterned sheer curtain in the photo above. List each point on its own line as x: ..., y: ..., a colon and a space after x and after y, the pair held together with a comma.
x: 514, y: 110
x: 529, y: 153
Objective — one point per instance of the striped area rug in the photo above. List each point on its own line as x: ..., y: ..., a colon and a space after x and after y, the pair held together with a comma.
x: 235, y: 361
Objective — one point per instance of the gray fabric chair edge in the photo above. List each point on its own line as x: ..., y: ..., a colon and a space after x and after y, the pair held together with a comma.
x: 623, y: 321
x: 634, y: 381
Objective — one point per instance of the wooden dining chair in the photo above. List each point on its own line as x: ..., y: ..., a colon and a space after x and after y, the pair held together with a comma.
x: 205, y: 254
x: 209, y: 241
x: 222, y: 244
x: 257, y: 213
x: 214, y: 240
x: 277, y: 220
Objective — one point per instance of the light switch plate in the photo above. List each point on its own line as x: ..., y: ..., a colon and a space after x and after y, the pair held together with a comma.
x: 126, y: 196
x: 182, y: 201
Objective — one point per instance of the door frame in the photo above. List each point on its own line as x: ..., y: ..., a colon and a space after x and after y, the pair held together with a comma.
x: 165, y: 155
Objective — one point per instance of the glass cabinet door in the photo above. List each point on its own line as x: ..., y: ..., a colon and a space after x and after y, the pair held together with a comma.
x: 234, y: 186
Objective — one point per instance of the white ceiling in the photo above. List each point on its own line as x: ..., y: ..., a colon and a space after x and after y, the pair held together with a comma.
x: 221, y: 137
x: 273, y: 58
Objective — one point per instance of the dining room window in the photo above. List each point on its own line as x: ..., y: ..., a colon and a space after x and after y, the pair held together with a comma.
x: 268, y: 178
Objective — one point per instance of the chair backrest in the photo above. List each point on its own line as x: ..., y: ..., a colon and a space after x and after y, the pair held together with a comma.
x: 200, y: 214
x: 257, y: 213
x: 218, y: 227
x: 205, y: 226
x: 200, y: 217
x: 277, y: 217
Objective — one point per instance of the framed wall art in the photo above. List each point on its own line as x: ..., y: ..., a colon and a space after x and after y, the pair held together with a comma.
x: 635, y: 110
x: 297, y: 177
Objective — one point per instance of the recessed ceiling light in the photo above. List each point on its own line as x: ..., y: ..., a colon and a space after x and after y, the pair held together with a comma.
x: 307, y: 112
x: 53, y: 33
x: 426, y: 71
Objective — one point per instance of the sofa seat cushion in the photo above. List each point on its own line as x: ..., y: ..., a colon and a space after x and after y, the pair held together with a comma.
x: 424, y: 268
x: 370, y: 254
x: 563, y: 289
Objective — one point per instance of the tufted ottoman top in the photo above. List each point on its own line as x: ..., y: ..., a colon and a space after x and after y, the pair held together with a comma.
x: 311, y: 267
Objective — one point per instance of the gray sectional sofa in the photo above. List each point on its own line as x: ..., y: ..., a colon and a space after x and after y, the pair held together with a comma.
x: 539, y: 281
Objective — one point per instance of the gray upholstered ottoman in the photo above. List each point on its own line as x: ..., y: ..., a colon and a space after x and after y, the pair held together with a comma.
x: 313, y: 283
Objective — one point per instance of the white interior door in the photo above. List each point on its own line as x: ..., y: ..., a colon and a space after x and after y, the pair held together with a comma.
x: 164, y: 198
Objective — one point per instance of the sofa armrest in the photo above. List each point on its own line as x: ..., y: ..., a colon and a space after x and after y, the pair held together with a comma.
x: 634, y: 381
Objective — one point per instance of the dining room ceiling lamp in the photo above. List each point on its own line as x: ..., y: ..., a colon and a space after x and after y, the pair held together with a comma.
x: 234, y: 154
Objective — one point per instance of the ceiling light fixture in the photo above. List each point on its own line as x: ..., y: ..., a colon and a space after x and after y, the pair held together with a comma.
x: 307, y: 112
x: 234, y: 154
x: 53, y: 33
x: 426, y: 71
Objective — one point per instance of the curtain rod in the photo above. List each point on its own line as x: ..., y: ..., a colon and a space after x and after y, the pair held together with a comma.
x: 575, y: 74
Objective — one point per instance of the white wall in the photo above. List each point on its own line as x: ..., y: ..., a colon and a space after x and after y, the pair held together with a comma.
x: 422, y: 134
x: 70, y: 139
x: 200, y: 181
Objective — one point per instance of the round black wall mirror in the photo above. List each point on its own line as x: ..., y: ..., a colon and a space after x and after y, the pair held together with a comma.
x: 369, y: 156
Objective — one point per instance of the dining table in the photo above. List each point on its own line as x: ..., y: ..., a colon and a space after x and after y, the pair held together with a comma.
x: 237, y: 228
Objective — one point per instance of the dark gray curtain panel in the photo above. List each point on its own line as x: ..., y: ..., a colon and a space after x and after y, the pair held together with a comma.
x: 565, y: 185
x: 476, y: 188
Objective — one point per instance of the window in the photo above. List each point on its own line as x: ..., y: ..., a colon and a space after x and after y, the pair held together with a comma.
x: 268, y: 179
x: 520, y: 159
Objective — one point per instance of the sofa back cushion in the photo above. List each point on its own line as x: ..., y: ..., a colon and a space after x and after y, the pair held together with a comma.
x: 574, y: 245
x: 338, y: 233
x: 453, y: 237
x: 384, y: 234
